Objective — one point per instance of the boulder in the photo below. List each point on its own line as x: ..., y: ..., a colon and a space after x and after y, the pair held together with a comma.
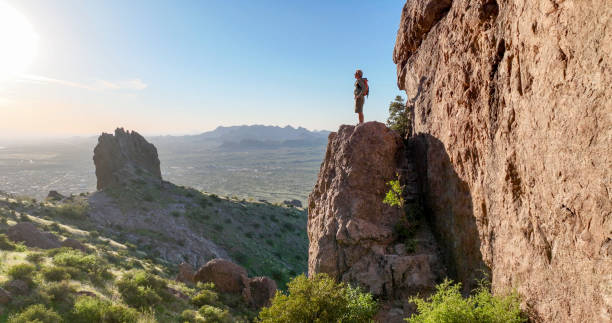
x: 263, y: 290
x: 17, y: 287
x: 27, y: 233
x: 226, y: 275
x: 5, y: 297
x: 513, y: 118
x: 125, y: 157
x: 185, y: 273
x: 74, y: 244
x: 55, y: 196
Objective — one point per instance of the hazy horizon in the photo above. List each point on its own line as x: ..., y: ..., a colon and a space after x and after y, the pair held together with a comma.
x: 83, y: 67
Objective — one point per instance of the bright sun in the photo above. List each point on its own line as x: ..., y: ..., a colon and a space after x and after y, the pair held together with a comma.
x: 17, y: 42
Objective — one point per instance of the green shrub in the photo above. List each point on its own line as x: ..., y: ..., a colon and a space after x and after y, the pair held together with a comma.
x: 189, y: 316
x: 398, y: 118
x: 319, y: 299
x: 394, y: 195
x: 35, y: 257
x: 205, y: 297
x: 57, y: 273
x: 92, y: 266
x: 72, y: 211
x: 21, y: 271
x: 5, y: 243
x: 36, y: 313
x: 141, y: 289
x: 448, y: 306
x: 213, y: 314
x: 89, y: 310
x: 59, y: 291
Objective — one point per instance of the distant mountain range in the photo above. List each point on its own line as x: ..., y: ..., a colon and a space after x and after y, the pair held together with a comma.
x: 250, y: 137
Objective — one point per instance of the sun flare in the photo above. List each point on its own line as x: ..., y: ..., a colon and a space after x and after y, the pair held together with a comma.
x: 17, y: 42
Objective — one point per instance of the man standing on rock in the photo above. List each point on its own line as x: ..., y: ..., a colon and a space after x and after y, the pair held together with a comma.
x: 361, y: 90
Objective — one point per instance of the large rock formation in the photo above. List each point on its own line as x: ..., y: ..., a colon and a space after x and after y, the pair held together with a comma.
x: 512, y: 102
x: 123, y: 157
x: 352, y: 233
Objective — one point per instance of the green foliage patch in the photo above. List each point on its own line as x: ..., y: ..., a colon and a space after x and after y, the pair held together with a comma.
x: 317, y: 300
x: 447, y: 305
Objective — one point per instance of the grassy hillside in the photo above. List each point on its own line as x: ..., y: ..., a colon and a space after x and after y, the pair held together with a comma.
x: 111, y: 282
x: 131, y: 235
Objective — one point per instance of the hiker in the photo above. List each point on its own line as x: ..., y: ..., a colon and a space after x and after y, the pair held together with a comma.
x: 361, y: 90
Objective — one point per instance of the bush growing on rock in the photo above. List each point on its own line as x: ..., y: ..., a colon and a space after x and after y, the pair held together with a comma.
x: 319, y: 299
x: 448, y: 306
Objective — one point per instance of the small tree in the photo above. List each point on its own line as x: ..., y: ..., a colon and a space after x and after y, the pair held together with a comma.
x: 398, y: 118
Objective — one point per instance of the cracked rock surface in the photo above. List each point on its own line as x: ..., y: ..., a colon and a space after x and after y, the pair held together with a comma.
x: 512, y: 109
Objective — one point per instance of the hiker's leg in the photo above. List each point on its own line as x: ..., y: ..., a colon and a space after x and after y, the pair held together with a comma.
x: 360, y: 117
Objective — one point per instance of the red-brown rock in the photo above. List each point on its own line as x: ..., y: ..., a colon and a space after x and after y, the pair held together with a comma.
x: 351, y: 231
x: 512, y: 103
x: 226, y: 275
x: 27, y: 233
x: 263, y: 290
x: 185, y: 273
x: 124, y: 156
x: 74, y: 244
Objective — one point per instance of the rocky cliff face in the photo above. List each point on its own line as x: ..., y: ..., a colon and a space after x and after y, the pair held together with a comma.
x: 353, y: 235
x: 124, y: 156
x: 512, y: 109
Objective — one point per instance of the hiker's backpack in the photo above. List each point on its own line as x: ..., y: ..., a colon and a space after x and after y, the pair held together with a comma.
x: 366, y: 91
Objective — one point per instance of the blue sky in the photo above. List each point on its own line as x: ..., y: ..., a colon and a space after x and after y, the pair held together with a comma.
x: 177, y: 67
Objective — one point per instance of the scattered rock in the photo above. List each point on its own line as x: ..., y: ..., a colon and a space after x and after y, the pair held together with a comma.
x: 293, y: 203
x: 226, y: 275
x: 5, y: 297
x: 55, y: 196
x: 27, y: 233
x: 74, y: 244
x: 263, y: 290
x: 123, y: 158
x: 186, y: 273
x: 177, y: 293
x: 17, y: 286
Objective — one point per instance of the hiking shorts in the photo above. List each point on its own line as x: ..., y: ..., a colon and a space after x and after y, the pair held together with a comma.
x: 359, y: 104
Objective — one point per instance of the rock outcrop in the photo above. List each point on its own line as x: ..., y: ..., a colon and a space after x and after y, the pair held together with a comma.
x: 27, y: 233
x: 353, y: 235
x: 229, y: 277
x: 511, y: 103
x: 125, y: 156
x: 186, y: 274
x: 263, y: 290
